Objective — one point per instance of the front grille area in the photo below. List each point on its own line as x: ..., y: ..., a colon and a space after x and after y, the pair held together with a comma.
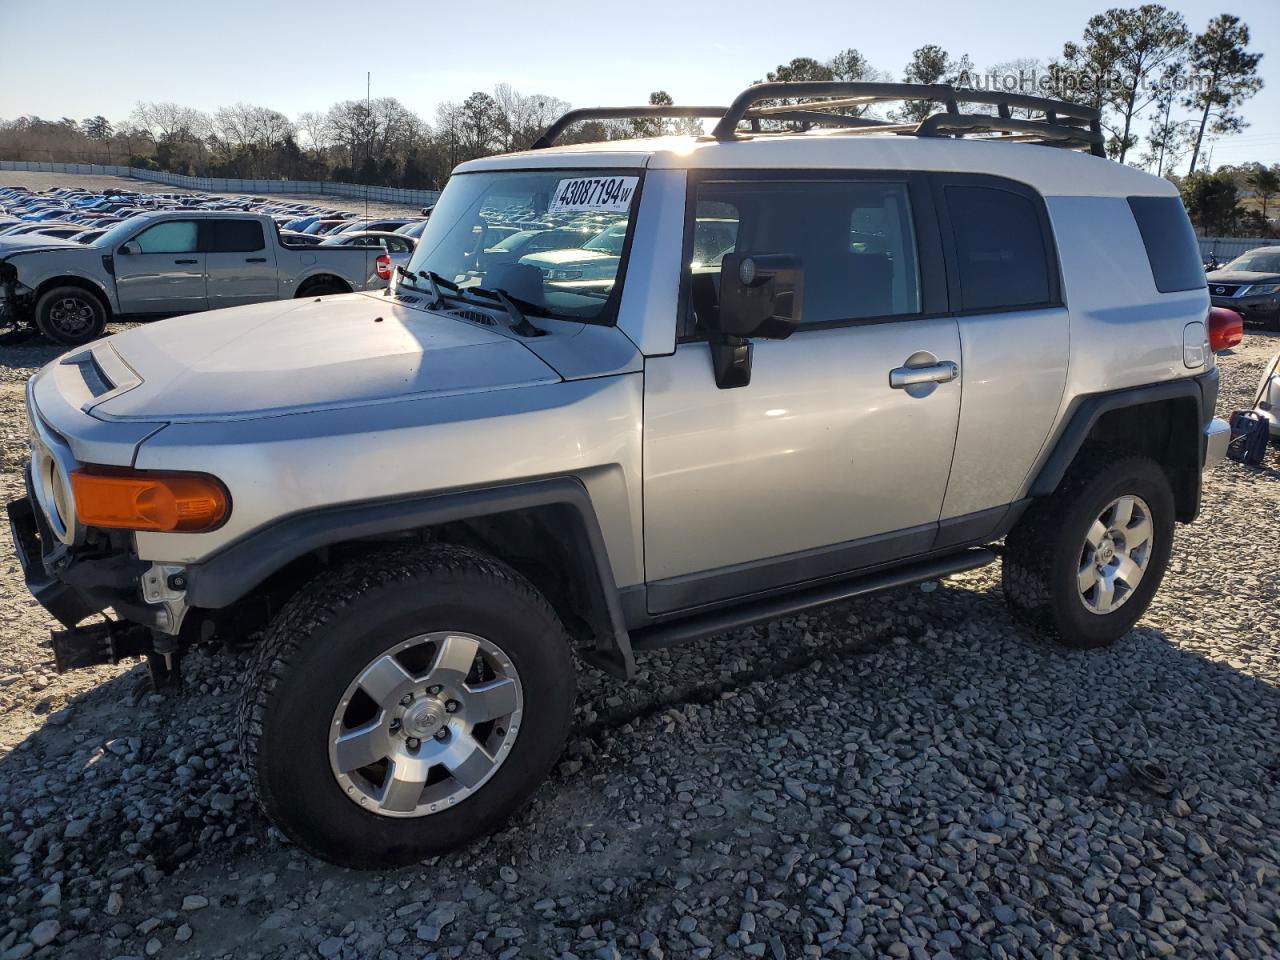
x: 1224, y: 289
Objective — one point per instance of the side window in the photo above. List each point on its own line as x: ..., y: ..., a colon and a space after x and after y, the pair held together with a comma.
x: 855, y: 239
x: 172, y: 236
x: 1000, y: 248
x: 1172, y: 248
x: 233, y: 236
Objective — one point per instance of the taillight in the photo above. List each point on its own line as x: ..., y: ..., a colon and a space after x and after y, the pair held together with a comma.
x: 1226, y: 329
x: 384, y: 266
x: 162, y: 502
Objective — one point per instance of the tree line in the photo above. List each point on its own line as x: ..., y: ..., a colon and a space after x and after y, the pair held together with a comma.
x: 1164, y: 92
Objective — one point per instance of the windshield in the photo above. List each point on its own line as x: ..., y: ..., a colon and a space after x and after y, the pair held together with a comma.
x: 1257, y: 262
x: 501, y: 230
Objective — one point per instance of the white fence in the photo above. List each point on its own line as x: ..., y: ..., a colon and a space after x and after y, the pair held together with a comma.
x: 1228, y: 248
x: 354, y: 191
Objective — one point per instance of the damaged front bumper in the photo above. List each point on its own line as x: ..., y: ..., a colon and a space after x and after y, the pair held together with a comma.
x: 73, y: 584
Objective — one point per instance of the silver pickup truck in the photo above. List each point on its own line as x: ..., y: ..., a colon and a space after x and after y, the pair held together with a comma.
x: 171, y: 262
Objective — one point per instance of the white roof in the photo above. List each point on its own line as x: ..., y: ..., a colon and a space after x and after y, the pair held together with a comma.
x: 1052, y: 171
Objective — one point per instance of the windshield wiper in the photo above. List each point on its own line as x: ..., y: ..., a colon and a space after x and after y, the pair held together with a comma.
x: 516, y: 308
x: 519, y: 322
x: 434, y: 283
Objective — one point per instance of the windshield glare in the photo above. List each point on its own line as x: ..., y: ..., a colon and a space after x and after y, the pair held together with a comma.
x: 1256, y: 263
x: 522, y: 232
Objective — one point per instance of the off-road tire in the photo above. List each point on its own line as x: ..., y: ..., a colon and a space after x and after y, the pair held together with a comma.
x: 1042, y: 552
x: 56, y: 321
x: 328, y: 632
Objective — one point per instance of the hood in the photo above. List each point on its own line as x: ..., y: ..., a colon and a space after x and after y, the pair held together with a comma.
x: 30, y: 244
x: 1241, y: 276
x: 296, y: 356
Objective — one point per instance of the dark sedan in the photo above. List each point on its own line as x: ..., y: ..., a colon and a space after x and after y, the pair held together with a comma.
x: 1250, y: 285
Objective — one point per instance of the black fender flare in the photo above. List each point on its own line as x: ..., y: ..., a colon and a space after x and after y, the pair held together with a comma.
x: 1089, y: 409
x: 236, y: 569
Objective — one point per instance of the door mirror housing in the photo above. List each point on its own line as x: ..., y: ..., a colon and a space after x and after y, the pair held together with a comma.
x: 130, y: 249
x: 761, y: 295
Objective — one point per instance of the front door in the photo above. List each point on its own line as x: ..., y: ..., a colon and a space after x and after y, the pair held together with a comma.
x: 240, y: 265
x: 165, y: 274
x: 836, y: 455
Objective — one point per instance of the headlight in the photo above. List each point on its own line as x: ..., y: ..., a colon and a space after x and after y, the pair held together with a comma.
x: 1263, y: 289
x: 140, y: 500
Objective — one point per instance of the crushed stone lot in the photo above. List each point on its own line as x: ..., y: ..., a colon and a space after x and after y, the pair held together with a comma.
x: 912, y: 775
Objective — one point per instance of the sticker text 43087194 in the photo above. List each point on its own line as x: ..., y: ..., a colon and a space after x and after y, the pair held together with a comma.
x: 606, y: 194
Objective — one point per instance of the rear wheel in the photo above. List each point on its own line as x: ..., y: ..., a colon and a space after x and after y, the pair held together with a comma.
x: 405, y: 704
x: 70, y: 315
x: 1083, y: 564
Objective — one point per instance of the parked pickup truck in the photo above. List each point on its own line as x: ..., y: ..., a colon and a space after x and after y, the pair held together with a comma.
x: 172, y: 262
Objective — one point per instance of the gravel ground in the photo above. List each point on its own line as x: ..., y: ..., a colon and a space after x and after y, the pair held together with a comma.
x: 909, y: 776
x: 47, y: 181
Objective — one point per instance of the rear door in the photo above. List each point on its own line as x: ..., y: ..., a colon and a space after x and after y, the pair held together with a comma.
x: 1006, y: 292
x: 166, y: 275
x: 240, y: 264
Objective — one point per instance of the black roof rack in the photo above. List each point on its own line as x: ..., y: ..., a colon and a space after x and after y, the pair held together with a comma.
x: 1064, y: 124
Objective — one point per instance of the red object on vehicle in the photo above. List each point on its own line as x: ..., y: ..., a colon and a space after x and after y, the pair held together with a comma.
x: 384, y: 270
x: 1226, y: 329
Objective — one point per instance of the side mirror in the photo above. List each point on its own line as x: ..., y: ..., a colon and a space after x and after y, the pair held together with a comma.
x: 130, y: 249
x: 761, y: 295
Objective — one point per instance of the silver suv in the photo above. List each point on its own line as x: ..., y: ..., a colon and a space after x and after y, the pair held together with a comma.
x: 909, y: 342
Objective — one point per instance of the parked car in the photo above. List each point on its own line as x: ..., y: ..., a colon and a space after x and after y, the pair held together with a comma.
x: 522, y: 243
x: 397, y: 248
x: 413, y: 229
x: 323, y: 227
x: 386, y: 225
x: 170, y: 263
x: 419, y: 503
x: 1250, y: 285
x: 296, y: 239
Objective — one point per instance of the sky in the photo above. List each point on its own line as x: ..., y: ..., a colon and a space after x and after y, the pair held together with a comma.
x: 295, y: 57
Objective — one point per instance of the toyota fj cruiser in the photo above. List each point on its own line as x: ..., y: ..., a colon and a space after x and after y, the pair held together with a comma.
x: 830, y: 355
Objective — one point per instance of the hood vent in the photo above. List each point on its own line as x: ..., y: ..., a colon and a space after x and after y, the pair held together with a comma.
x: 474, y: 316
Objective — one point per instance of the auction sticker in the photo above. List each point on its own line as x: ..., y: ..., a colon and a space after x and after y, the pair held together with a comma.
x: 604, y: 194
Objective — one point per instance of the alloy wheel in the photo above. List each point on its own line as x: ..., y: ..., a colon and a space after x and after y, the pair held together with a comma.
x: 1115, y: 554
x: 426, y: 724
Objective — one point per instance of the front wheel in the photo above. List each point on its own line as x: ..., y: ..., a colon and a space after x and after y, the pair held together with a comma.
x: 70, y: 315
x: 1084, y: 563
x: 405, y: 704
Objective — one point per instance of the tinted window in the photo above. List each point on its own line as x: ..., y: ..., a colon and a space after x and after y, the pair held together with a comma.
x: 233, y: 236
x: 1000, y: 248
x: 1172, y: 249
x: 855, y: 240
x: 172, y: 236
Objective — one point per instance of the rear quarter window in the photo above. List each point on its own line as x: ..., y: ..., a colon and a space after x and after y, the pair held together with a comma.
x: 1001, y: 254
x: 1172, y: 249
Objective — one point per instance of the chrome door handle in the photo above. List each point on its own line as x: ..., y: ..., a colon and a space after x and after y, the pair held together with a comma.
x: 944, y: 372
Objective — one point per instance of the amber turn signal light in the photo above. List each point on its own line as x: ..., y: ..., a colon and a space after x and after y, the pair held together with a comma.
x: 160, y: 502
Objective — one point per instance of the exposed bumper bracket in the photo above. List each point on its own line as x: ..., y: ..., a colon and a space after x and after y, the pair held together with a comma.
x: 98, y: 643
